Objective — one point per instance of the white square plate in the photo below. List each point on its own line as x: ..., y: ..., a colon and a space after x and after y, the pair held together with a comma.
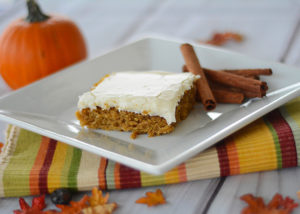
x: 48, y: 106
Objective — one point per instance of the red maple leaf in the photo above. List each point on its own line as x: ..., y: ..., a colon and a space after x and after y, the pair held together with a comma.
x: 38, y: 204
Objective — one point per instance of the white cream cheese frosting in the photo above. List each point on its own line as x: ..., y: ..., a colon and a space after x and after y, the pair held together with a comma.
x: 155, y: 92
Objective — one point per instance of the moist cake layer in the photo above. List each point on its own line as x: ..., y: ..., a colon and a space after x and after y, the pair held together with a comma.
x: 154, y: 93
x: 113, y: 119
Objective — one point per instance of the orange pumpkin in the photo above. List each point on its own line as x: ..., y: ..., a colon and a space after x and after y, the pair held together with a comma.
x: 37, y: 46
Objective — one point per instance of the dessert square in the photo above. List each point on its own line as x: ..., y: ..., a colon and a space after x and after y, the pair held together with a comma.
x: 151, y: 102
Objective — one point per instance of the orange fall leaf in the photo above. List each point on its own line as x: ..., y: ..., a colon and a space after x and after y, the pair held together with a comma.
x: 278, y: 205
x: 152, y: 198
x: 94, y: 204
x: 75, y: 207
x: 220, y: 39
x: 97, y: 198
x: 1, y: 145
x: 298, y: 194
x: 100, y: 209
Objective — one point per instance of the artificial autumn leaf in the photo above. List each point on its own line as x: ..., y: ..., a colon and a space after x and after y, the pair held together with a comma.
x: 100, y: 209
x: 38, y: 204
x: 75, y: 207
x: 278, y: 205
x: 51, y: 212
x: 152, y: 198
x: 97, y: 197
x: 23, y: 204
x: 1, y: 145
x: 96, y: 204
x: 220, y: 39
x: 298, y: 194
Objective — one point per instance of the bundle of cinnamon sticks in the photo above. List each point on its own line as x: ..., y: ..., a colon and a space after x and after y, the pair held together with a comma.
x: 224, y: 86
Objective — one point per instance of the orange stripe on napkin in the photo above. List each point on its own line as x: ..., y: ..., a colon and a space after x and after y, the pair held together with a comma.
x: 232, y: 156
x: 182, y: 172
x: 102, y: 173
x: 117, y: 176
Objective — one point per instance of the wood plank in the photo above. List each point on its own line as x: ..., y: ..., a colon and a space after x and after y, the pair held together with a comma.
x: 264, y: 184
x: 293, y: 56
x: 192, y: 195
x: 199, y: 21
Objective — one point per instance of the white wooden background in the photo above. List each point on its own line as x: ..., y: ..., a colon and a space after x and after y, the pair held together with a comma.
x: 272, y: 30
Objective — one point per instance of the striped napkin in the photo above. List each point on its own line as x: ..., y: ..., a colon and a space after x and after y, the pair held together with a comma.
x: 32, y: 164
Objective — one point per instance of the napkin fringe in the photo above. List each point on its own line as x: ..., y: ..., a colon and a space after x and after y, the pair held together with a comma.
x: 11, y: 133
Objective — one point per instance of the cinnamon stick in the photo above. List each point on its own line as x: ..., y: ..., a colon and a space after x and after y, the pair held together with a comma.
x: 250, y: 72
x: 246, y: 74
x: 250, y: 76
x: 226, y: 96
x: 247, y: 94
x: 185, y: 69
x: 193, y: 65
x: 233, y: 80
x: 223, y: 94
x: 237, y: 72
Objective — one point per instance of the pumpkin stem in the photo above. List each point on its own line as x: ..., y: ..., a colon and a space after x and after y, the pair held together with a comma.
x: 34, y: 12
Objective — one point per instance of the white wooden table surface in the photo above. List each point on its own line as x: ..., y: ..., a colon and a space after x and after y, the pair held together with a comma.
x: 272, y: 30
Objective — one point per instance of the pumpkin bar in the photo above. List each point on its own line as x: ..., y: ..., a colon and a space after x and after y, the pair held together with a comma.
x: 151, y: 102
